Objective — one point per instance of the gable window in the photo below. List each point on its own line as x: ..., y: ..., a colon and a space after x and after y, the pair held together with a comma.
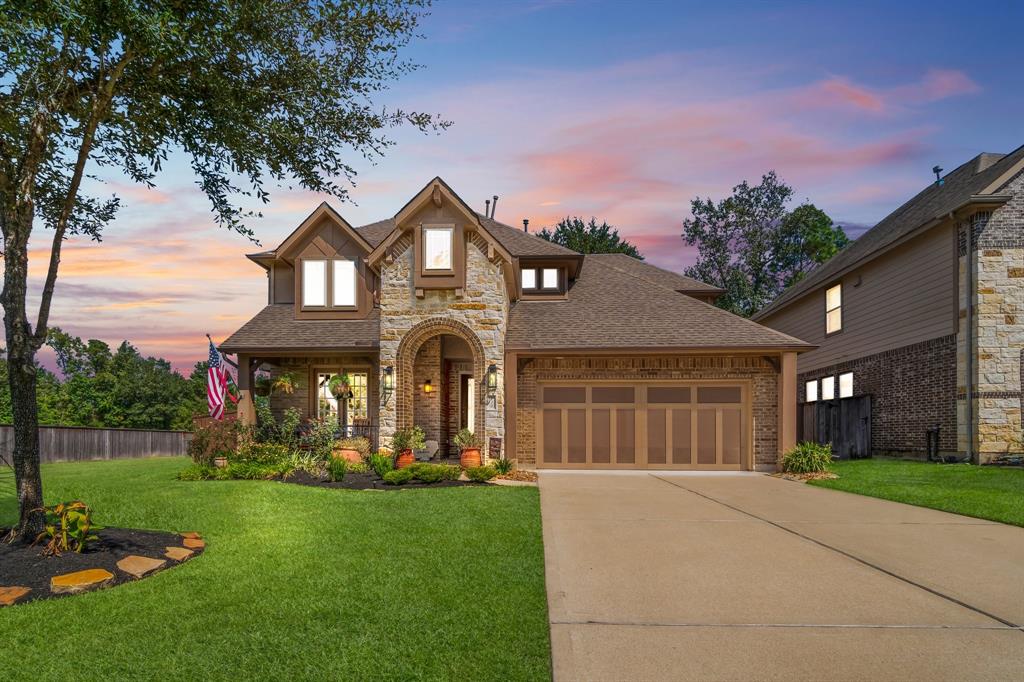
x: 344, y: 283
x: 529, y: 278
x: 834, y: 309
x: 811, y: 391
x: 846, y: 385
x: 828, y: 388
x: 437, y: 248
x: 314, y: 283
x: 550, y: 278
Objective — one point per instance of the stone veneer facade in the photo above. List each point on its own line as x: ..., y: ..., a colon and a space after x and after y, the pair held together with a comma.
x: 998, y: 326
x: 763, y: 377
x: 483, y: 310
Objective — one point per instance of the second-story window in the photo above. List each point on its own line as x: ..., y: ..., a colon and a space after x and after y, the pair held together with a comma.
x: 437, y: 248
x: 541, y: 280
x: 529, y: 279
x: 328, y: 283
x: 550, y: 278
x: 314, y: 283
x: 834, y: 309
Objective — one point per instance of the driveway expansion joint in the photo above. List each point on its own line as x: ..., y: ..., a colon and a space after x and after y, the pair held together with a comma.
x: 1008, y: 624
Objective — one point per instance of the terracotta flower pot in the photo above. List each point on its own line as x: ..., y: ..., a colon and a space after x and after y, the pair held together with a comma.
x: 404, y: 459
x: 469, y: 458
x: 347, y: 455
x: 220, y: 462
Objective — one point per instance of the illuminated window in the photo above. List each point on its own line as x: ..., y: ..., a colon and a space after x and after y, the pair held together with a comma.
x: 834, y: 309
x: 846, y: 385
x: 529, y: 278
x: 357, y: 404
x: 437, y: 248
x: 550, y: 278
x: 828, y: 388
x: 811, y: 389
x: 327, y: 404
x: 314, y: 282
x: 344, y: 283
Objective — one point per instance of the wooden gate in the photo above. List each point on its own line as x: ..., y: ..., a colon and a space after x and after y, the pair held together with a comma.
x: 844, y: 423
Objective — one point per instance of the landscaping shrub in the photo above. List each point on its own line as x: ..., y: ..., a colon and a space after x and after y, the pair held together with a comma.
x: 336, y: 468
x: 254, y: 471
x: 432, y: 473
x: 480, y: 474
x: 410, y: 439
x: 212, y: 440
x: 198, y: 472
x: 319, y: 439
x: 397, y: 477
x: 358, y: 467
x: 381, y: 464
x: 304, y: 461
x: 68, y: 526
x: 261, y: 453
x: 807, y: 458
x: 503, y: 466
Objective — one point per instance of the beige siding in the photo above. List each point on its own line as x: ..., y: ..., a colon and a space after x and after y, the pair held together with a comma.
x: 284, y: 283
x: 905, y: 296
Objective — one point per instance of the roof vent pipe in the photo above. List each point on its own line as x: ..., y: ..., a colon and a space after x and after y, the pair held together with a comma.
x: 487, y: 208
x: 938, y: 175
x: 494, y: 206
x: 526, y: 224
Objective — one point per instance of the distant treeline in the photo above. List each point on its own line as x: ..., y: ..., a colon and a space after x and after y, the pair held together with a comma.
x: 113, y: 389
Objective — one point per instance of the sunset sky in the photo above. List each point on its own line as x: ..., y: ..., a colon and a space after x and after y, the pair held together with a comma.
x: 623, y: 111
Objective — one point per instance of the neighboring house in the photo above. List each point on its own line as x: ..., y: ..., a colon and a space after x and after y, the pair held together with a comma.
x: 925, y: 313
x: 447, y: 319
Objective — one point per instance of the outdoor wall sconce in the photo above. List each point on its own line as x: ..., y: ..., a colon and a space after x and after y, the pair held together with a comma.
x: 387, y: 384
x: 428, y: 387
x: 492, y: 384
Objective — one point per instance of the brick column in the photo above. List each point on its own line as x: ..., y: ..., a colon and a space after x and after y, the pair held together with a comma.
x: 246, y: 407
x: 787, y: 403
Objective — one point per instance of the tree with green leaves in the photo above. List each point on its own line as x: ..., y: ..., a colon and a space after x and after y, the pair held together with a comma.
x: 752, y: 246
x: 590, y: 237
x: 255, y: 94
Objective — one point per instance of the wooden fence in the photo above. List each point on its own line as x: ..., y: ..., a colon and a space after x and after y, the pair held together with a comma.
x: 80, y: 443
x: 845, y: 423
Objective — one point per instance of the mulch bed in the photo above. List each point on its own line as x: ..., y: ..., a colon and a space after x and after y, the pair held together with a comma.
x: 27, y: 566
x: 520, y: 475
x: 814, y: 476
x: 367, y: 481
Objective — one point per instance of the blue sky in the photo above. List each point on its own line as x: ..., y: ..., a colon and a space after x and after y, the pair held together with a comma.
x: 624, y: 111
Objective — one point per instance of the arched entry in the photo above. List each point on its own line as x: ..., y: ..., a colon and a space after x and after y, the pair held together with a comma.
x: 407, y: 388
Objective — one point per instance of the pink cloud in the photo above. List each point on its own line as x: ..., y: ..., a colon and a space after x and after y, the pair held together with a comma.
x: 843, y: 91
x: 940, y: 84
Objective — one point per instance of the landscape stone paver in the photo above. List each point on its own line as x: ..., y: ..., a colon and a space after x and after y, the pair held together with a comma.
x: 81, y: 581
x: 193, y: 543
x: 9, y: 595
x: 139, y: 566
x: 178, y: 553
x: 191, y: 534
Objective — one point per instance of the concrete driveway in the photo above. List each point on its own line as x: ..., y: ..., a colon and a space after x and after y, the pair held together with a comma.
x: 743, y: 576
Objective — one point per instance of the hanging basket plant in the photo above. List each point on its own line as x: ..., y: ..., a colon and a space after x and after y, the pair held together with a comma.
x: 340, y: 386
x: 285, y: 382
x: 262, y: 386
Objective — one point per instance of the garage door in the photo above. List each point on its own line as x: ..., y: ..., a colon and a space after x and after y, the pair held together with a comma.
x: 644, y: 425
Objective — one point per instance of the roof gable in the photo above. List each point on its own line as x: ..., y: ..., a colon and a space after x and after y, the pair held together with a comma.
x: 323, y: 211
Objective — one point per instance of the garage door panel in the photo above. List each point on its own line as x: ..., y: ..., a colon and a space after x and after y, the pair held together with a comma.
x: 656, y: 425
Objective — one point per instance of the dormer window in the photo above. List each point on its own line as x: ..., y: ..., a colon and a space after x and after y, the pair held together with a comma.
x: 336, y: 277
x: 437, y: 248
x: 542, y: 280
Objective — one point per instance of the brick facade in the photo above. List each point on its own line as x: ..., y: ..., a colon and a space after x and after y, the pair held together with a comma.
x: 763, y: 377
x: 912, y: 389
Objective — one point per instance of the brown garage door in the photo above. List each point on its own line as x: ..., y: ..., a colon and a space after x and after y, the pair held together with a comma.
x: 644, y: 425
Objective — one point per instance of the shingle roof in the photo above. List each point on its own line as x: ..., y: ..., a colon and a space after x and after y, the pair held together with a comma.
x: 935, y: 201
x: 655, y: 275
x: 275, y: 327
x: 611, y: 307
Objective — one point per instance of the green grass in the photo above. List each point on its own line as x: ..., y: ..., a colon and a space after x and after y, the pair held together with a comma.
x: 992, y: 493
x: 296, y: 583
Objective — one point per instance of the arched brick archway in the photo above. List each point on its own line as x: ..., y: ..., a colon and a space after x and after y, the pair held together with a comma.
x: 405, y: 360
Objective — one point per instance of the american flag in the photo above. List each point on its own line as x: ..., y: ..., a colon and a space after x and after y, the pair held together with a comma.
x: 216, y: 383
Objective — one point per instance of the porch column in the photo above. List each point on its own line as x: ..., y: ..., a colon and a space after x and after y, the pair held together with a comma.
x: 787, y: 403
x: 246, y: 406
x: 511, y: 398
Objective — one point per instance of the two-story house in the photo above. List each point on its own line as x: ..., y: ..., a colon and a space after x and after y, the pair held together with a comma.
x: 925, y: 313
x: 445, y: 319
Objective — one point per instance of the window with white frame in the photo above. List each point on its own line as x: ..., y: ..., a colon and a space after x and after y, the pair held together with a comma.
x: 344, y: 283
x: 846, y: 385
x: 314, y: 283
x: 834, y: 309
x: 437, y: 248
x: 541, y: 280
x: 828, y: 388
x: 550, y: 278
x: 811, y: 391
x: 529, y: 278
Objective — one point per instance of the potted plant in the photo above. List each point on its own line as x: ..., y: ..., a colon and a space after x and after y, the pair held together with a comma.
x: 285, y: 382
x: 355, y: 449
x: 404, y: 442
x: 263, y: 386
x: 469, y: 449
x: 220, y: 460
x: 339, y: 385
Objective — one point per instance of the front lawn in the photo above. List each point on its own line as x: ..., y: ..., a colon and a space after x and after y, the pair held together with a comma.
x: 296, y: 583
x: 993, y: 493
